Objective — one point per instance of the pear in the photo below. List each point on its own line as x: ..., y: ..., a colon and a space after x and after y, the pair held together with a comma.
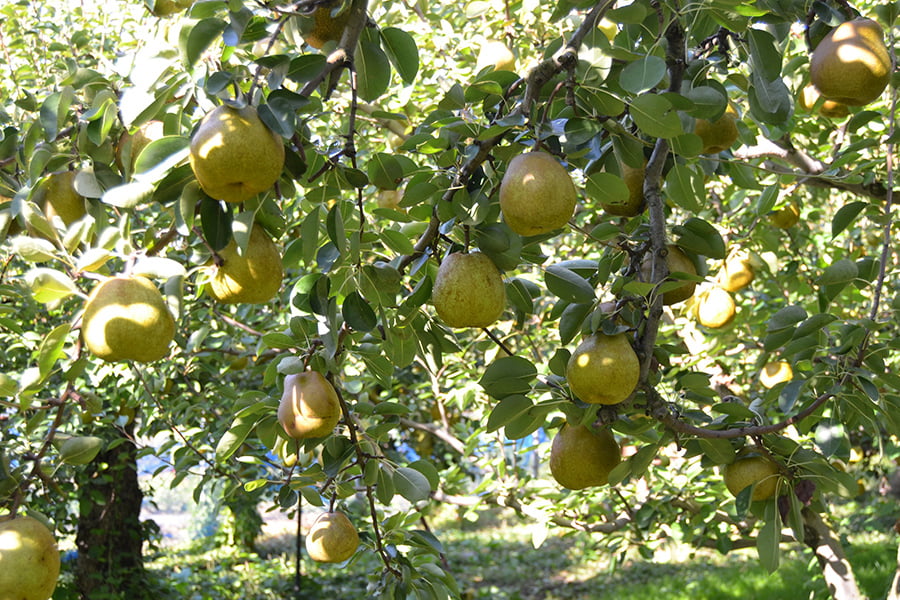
x: 56, y: 195
x: 603, y: 369
x: 234, y: 155
x: 752, y: 469
x: 253, y: 277
x: 676, y: 261
x: 309, y: 406
x: 131, y: 144
x: 29, y: 559
x: 468, y: 291
x: 322, y: 27
x: 126, y: 318
x: 736, y: 274
x: 851, y: 64
x: 583, y: 457
x: 167, y: 8
x: 634, y: 181
x: 809, y: 95
x: 715, y: 308
x: 718, y: 135
x: 787, y: 217
x: 775, y: 372
x: 332, y: 538
x: 536, y: 194
x: 496, y: 55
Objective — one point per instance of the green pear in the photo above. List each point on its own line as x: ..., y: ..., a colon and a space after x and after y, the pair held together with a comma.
x: 536, y: 194
x: 56, y: 195
x: 29, y: 559
x: 309, y: 406
x: 468, y: 291
x: 496, y: 55
x: 851, y: 65
x: 752, y: 469
x: 677, y: 262
x: 234, y: 155
x: 603, y: 369
x: 332, y: 538
x: 634, y: 181
x: 718, y: 135
x: 583, y: 457
x: 253, y: 277
x: 322, y: 26
x: 126, y: 318
x: 131, y: 144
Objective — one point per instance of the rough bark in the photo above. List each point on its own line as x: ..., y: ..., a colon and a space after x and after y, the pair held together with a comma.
x: 109, y: 537
x: 836, y: 569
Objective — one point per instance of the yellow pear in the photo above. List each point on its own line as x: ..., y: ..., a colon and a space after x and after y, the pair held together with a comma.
x: 786, y: 217
x: 332, y: 538
x: 167, y: 8
x: 582, y: 457
x: 126, y: 318
x: 468, y: 290
x: 851, y: 64
x: 131, y: 144
x: 609, y: 28
x: 497, y: 55
x: 736, y: 274
x: 603, y: 369
x: 389, y: 199
x: 634, y: 181
x: 56, y: 195
x: 809, y: 95
x: 309, y: 406
x: 322, y: 27
x: 536, y: 194
x: 775, y: 372
x: 715, y: 308
x: 29, y: 559
x: 253, y: 277
x: 749, y: 469
x: 676, y: 261
x: 718, y: 135
x: 234, y: 155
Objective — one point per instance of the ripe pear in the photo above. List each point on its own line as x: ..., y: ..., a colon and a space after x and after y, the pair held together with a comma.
x: 582, y: 457
x: 536, y: 194
x: 468, y: 291
x: 131, y: 144
x: 609, y: 28
x: 603, y: 369
x: 718, y: 135
x: 309, y: 406
x: 736, y: 274
x: 126, y: 318
x: 253, y: 277
x: 786, y: 217
x: 167, y: 8
x: 749, y: 469
x: 715, y: 308
x: 676, y: 261
x: 851, y: 64
x: 56, y: 195
x: 234, y: 155
x: 634, y: 181
x: 775, y: 372
x: 809, y: 95
x: 332, y: 538
x: 29, y: 559
x: 321, y: 27
x: 497, y: 55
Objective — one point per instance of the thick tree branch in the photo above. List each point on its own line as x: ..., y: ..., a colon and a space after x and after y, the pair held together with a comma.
x: 828, y: 550
x: 438, y: 432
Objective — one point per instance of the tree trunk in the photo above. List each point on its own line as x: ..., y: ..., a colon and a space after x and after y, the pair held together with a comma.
x: 109, y: 537
x: 894, y: 592
x: 836, y: 569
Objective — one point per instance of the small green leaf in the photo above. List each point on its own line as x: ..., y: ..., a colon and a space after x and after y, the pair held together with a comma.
x: 684, y: 185
x: 233, y: 438
x: 768, y: 541
x: 402, y: 51
x: 700, y: 237
x: 411, y: 484
x: 128, y: 195
x: 642, y: 74
x: 80, y: 450
x: 655, y: 116
x: 374, y: 71
x: 508, y: 410
x: 845, y: 217
x: 52, y: 348
x: 786, y: 317
x: 842, y: 271
x: 568, y: 285
x: 358, y: 314
x: 201, y: 37
x: 50, y: 285
x: 508, y: 376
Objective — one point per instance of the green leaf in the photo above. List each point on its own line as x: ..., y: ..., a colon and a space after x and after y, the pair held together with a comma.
x: 508, y: 410
x: 786, y: 317
x: 402, y: 51
x: 571, y: 320
x: 233, y: 438
x: 80, y: 450
x: 397, y: 241
x: 655, y: 116
x: 845, y: 217
x: 50, y: 285
x: 517, y: 293
x: 411, y: 484
x: 508, y: 376
x: 373, y: 71
x: 52, y: 348
x: 128, y: 195
x: 643, y: 74
x: 568, y: 285
x: 768, y: 541
x: 684, y: 186
x: 842, y: 271
x: 700, y: 237
x: 201, y: 37
x: 606, y: 188
x: 384, y: 171
x: 358, y: 314
x: 719, y: 451
x: 215, y: 222
x: 765, y: 57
